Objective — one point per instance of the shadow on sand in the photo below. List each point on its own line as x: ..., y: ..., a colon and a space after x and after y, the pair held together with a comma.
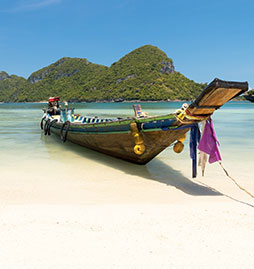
x: 155, y: 170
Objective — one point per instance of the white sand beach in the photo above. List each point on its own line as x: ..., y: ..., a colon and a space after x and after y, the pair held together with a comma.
x: 98, y: 215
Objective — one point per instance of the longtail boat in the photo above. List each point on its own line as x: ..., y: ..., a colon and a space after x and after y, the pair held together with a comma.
x: 140, y: 138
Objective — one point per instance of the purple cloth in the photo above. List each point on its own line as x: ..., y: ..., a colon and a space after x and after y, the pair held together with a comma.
x: 209, y: 143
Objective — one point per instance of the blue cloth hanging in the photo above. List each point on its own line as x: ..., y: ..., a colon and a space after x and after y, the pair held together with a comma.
x: 194, y: 140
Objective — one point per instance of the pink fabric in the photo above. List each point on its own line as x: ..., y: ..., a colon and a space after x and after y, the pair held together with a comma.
x: 209, y: 143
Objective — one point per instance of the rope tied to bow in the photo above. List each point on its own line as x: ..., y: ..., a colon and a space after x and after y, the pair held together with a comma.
x: 237, y: 184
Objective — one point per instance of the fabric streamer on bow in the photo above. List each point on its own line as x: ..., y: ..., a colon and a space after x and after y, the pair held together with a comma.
x: 209, y: 143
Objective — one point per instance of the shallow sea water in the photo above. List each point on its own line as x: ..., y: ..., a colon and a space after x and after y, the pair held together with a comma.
x: 22, y: 143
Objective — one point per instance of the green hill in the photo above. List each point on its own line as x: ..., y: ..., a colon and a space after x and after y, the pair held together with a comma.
x: 11, y: 87
x: 70, y: 78
x: 145, y: 73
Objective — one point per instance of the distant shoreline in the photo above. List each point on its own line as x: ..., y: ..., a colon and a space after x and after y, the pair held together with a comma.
x: 103, y: 101
x: 107, y: 101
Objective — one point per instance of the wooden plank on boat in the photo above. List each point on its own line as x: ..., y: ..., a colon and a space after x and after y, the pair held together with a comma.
x: 216, y: 94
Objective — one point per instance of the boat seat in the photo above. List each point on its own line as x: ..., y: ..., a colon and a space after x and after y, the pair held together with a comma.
x: 138, y: 111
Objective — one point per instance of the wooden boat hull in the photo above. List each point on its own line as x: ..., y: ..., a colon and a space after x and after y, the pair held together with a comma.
x: 121, y: 144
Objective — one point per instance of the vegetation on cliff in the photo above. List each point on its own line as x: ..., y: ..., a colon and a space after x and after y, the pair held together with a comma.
x: 11, y: 87
x: 145, y: 73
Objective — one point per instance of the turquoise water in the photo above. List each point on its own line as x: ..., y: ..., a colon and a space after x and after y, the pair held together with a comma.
x: 21, y: 139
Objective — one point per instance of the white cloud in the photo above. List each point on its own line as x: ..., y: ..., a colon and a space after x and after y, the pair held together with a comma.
x: 25, y: 6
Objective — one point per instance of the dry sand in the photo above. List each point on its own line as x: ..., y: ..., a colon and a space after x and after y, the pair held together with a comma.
x: 124, y: 216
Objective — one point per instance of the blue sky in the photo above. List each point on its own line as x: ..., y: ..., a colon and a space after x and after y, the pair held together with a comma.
x: 205, y: 39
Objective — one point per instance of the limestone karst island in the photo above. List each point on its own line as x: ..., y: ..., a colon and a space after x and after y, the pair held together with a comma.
x: 144, y: 74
